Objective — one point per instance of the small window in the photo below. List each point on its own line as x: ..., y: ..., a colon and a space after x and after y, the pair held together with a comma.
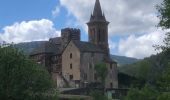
x: 71, y: 55
x: 55, y: 57
x: 111, y: 85
x: 90, y: 65
x: 39, y: 62
x: 95, y: 76
x: 94, y: 31
x: 91, y: 31
x: 99, y: 36
x: 103, y: 31
x: 71, y: 77
x: 71, y: 66
x: 110, y: 66
x: 92, y: 54
x: 85, y: 76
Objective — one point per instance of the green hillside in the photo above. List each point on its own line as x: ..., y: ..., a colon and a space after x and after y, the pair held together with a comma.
x: 148, y: 68
x: 122, y: 60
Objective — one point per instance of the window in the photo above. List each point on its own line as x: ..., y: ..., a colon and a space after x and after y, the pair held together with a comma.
x: 55, y: 58
x: 39, y: 62
x: 71, y: 66
x: 110, y: 66
x: 71, y: 55
x: 99, y: 36
x: 90, y: 65
x: 71, y: 77
x: 103, y: 31
x: 92, y: 54
x: 91, y: 31
x: 95, y: 76
x: 94, y: 31
x: 85, y: 76
x: 104, y: 35
x: 111, y: 85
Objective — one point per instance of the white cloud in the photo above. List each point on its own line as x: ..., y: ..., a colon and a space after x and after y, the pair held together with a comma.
x: 56, y: 11
x: 26, y: 31
x: 0, y: 40
x: 112, y: 45
x: 140, y: 46
x: 126, y: 16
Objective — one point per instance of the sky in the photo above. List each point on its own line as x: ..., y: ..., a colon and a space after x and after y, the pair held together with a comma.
x: 132, y: 28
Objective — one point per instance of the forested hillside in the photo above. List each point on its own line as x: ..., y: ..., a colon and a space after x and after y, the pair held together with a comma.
x: 148, y: 68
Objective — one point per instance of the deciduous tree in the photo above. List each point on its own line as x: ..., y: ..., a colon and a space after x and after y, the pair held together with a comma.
x: 22, y: 79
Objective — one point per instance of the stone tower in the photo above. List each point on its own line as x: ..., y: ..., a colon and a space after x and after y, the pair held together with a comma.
x: 69, y: 34
x: 98, y: 28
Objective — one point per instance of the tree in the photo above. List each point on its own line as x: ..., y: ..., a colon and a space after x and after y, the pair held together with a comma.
x: 101, y: 71
x: 22, y: 79
x: 164, y: 16
x: 164, y: 96
x: 146, y: 93
x: 165, y: 79
x: 98, y: 95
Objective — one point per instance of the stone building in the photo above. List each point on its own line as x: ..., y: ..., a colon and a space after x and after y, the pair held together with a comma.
x: 71, y: 61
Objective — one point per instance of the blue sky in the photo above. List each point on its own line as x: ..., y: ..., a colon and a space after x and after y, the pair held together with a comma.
x: 26, y: 10
x: 23, y: 21
x: 18, y: 10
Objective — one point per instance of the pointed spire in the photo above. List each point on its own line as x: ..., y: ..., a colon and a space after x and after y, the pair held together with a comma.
x: 97, y: 14
x: 97, y: 9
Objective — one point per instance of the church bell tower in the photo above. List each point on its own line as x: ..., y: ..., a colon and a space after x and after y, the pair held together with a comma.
x: 98, y: 28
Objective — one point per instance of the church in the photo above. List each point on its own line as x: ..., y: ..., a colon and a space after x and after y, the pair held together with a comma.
x: 71, y: 62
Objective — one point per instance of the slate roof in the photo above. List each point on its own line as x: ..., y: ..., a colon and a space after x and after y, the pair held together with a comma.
x: 47, y: 47
x: 87, y: 47
x: 56, y: 40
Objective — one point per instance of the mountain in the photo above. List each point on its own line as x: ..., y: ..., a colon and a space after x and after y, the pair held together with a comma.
x: 122, y: 60
x: 27, y: 47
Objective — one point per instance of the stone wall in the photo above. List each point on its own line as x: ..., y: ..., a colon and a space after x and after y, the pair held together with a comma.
x: 111, y: 79
x: 71, y: 64
x: 88, y: 62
